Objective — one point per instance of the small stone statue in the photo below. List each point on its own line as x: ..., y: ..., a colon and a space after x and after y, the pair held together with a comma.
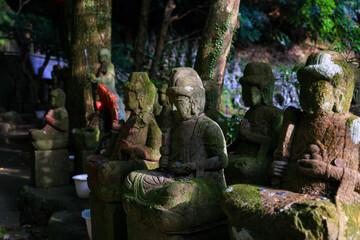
x: 193, y: 157
x: 55, y: 134
x: 108, y: 97
x: 259, y: 130
x: 316, y: 161
x: 137, y: 146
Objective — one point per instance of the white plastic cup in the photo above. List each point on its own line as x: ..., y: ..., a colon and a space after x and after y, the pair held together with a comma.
x: 87, y: 216
x: 81, y: 186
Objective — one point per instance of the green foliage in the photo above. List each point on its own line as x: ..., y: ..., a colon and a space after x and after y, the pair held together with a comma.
x: 221, y: 30
x: 253, y: 23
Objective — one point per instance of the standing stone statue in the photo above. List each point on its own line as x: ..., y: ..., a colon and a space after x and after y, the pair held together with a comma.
x: 259, y: 130
x: 55, y: 134
x: 107, y: 97
x: 182, y: 195
x: 316, y: 161
x: 137, y: 145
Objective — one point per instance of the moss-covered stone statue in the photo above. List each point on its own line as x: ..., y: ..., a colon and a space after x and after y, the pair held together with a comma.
x: 180, y: 199
x: 137, y: 146
x: 317, y: 162
x: 55, y: 134
x: 259, y: 130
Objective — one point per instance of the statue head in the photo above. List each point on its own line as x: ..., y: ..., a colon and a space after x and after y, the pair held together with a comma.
x: 326, y: 83
x: 139, y: 93
x: 57, y: 98
x: 257, y: 84
x: 104, y: 56
x: 186, y: 93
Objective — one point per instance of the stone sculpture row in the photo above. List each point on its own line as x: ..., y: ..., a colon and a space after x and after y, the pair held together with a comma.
x: 170, y: 180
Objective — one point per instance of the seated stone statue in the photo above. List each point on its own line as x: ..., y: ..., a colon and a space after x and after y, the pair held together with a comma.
x: 137, y: 146
x: 317, y: 162
x: 55, y: 134
x: 259, y: 130
x: 182, y: 195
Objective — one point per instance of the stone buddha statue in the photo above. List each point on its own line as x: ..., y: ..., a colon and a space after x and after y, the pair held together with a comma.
x: 137, y: 145
x: 259, y: 130
x: 55, y: 133
x: 316, y: 164
x: 182, y: 195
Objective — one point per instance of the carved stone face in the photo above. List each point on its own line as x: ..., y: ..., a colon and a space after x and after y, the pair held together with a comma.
x: 251, y: 95
x: 181, y: 106
x: 103, y: 58
x: 52, y: 101
x: 131, y: 101
x: 317, y: 97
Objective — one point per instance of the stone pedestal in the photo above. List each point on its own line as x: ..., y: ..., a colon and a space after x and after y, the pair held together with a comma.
x: 81, y: 160
x: 50, y: 168
x: 67, y: 225
x: 108, y: 220
x: 140, y: 231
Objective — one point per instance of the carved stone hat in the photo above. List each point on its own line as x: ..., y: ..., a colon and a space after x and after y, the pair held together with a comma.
x: 258, y: 73
x: 185, y: 81
x: 327, y: 65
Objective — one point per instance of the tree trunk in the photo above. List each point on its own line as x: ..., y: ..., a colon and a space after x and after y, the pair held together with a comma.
x: 170, y: 6
x: 141, y: 35
x: 214, y: 47
x: 91, y: 30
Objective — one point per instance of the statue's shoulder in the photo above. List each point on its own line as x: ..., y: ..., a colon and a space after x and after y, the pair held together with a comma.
x: 110, y: 68
x: 208, y: 125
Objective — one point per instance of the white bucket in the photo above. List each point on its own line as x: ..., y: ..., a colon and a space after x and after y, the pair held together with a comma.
x: 82, y: 189
x: 40, y: 114
x: 86, y: 215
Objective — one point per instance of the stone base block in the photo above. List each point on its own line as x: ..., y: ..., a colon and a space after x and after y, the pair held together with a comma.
x: 264, y: 213
x: 38, y: 204
x: 81, y: 160
x: 50, y: 168
x: 108, y: 220
x: 67, y: 225
x: 140, y: 231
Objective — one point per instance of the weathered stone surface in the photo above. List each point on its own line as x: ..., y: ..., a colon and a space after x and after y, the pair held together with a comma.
x: 108, y: 220
x: 67, y: 225
x: 139, y: 230
x: 50, y: 168
x: 266, y: 213
x: 38, y: 204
